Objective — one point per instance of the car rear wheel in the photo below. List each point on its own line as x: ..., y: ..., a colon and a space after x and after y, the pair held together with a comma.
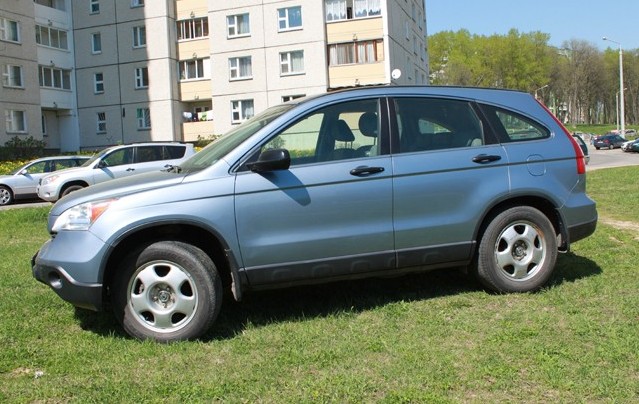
x: 517, y: 252
x: 6, y: 196
x: 168, y: 291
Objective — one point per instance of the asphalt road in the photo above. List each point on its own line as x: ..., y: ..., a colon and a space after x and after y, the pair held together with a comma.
x: 598, y: 159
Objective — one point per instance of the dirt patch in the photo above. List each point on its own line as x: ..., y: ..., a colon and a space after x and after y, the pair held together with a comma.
x: 623, y: 225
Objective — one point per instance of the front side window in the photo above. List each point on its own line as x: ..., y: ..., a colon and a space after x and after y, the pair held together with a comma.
x: 241, y: 110
x: 432, y: 124
x: 240, y: 68
x: 193, y: 28
x: 119, y: 157
x: 338, y: 132
x: 101, y: 122
x: 238, y: 25
x: 139, y: 36
x: 96, y: 43
x: 12, y: 76
x: 289, y: 18
x: 15, y: 121
x: 144, y: 118
x: 52, y: 77
x: 94, y: 6
x: 141, y: 77
x: 193, y: 69
x: 291, y: 63
x: 98, y: 83
x: 9, y: 30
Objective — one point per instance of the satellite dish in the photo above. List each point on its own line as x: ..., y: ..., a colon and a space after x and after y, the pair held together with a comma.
x: 396, y: 73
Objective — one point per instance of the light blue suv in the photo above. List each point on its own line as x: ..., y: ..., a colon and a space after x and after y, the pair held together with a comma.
x: 365, y: 182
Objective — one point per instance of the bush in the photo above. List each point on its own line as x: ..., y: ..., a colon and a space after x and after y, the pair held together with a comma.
x: 18, y: 148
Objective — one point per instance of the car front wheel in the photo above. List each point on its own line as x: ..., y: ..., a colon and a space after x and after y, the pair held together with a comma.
x: 517, y: 252
x: 6, y: 197
x: 168, y: 291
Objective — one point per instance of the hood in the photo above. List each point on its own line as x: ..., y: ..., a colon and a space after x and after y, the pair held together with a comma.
x: 117, y: 188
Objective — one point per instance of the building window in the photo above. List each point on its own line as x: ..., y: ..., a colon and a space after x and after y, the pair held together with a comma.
x: 15, y: 121
x: 286, y: 98
x: 139, y: 36
x: 141, y: 77
x: 94, y: 6
x: 291, y: 63
x: 9, y: 30
x: 98, y: 83
x: 12, y: 76
x: 355, y: 53
x: 289, y: 18
x: 51, y: 37
x: 241, y: 110
x: 43, y: 124
x: 137, y: 3
x: 366, y: 8
x: 96, y: 43
x: 101, y: 122
x: 238, y: 25
x: 193, y: 28
x: 144, y: 118
x: 240, y: 68
x: 51, y: 77
x: 337, y: 10
x: 194, y: 69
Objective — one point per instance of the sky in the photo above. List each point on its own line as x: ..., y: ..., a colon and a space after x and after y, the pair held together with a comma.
x: 564, y: 20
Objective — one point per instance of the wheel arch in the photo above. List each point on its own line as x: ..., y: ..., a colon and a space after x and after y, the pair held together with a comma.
x: 205, y: 239
x: 68, y: 184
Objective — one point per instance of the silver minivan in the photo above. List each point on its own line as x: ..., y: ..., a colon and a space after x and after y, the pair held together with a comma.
x: 366, y: 182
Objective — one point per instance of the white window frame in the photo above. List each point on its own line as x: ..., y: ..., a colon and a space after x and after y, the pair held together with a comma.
x: 7, y: 32
x: 98, y: 83
x: 15, y: 121
x: 366, y: 6
x: 143, y: 116
x: 240, y: 110
x: 56, y: 76
x: 141, y: 77
x: 96, y: 39
x: 287, y: 67
x: 200, y: 68
x: 139, y: 36
x: 240, y: 71
x: 137, y: 3
x: 100, y: 122
x: 12, y: 76
x: 233, y: 25
x: 190, y: 29
x: 52, y: 37
x: 284, y: 19
x: 94, y: 6
x: 335, y: 10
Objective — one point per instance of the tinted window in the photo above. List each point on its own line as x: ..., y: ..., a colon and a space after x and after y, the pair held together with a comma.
x: 432, y: 124
x: 61, y: 164
x: 119, y: 157
x: 174, y: 152
x: 513, y: 127
x: 149, y: 153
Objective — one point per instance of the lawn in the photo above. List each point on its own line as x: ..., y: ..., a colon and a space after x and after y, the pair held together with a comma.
x: 434, y: 337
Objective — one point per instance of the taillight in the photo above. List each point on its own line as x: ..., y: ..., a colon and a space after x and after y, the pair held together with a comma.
x: 579, y: 154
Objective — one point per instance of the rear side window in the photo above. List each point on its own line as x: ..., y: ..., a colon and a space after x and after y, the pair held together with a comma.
x: 513, y: 127
x: 174, y: 152
x: 149, y: 153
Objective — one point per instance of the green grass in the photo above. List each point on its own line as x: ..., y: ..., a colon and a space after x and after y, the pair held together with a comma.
x: 434, y: 337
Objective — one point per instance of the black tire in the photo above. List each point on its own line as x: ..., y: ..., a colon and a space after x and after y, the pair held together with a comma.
x: 69, y: 189
x: 167, y: 291
x: 517, y: 252
x: 6, y: 196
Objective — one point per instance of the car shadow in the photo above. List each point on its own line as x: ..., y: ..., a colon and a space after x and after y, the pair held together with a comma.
x: 356, y: 296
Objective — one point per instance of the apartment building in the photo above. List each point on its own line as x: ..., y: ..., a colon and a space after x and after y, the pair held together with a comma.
x: 82, y: 74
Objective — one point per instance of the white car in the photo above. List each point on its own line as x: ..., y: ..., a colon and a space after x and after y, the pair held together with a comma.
x: 114, y: 162
x: 21, y: 183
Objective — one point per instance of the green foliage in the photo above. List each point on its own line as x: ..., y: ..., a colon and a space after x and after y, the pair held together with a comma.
x: 19, y: 148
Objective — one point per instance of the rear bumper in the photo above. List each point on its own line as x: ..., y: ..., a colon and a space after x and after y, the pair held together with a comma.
x: 581, y: 231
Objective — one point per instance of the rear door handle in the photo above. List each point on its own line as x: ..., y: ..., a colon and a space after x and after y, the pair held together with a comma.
x: 364, y: 171
x: 485, y: 158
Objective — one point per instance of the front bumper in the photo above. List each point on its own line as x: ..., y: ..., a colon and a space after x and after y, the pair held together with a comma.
x: 70, y: 265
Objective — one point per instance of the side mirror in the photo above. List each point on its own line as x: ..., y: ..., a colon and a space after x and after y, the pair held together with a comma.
x: 23, y: 172
x: 102, y: 164
x: 271, y: 160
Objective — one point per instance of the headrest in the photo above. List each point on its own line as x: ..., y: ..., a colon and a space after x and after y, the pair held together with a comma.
x: 368, y: 124
x: 342, y: 133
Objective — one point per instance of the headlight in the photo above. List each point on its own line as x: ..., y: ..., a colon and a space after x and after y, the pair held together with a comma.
x: 81, y: 217
x: 49, y: 179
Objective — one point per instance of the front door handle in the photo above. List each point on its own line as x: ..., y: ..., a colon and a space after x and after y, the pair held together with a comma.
x: 364, y: 171
x: 485, y: 158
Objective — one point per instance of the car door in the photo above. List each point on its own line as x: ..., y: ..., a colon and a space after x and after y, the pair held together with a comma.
x: 116, y: 164
x: 26, y: 181
x: 448, y: 170
x: 329, y: 214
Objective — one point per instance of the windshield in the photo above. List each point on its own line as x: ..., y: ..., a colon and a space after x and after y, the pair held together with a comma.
x: 226, y: 143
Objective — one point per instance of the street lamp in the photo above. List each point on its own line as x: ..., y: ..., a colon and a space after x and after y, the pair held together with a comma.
x: 540, y: 88
x: 622, y: 116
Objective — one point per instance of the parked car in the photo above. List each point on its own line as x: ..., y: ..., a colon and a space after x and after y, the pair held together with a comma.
x: 374, y: 181
x: 21, y: 183
x: 634, y: 147
x: 114, y: 162
x: 627, y: 146
x: 584, y: 147
x: 608, y: 141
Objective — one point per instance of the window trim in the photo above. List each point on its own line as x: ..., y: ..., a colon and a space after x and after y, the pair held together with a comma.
x: 201, y: 73
x: 7, y: 75
x: 97, y: 82
x: 289, y: 63
x: 139, y: 39
x: 137, y: 3
x: 141, y: 77
x: 236, y: 25
x: 143, y: 115
x: 287, y: 21
x: 95, y: 35
x: 237, y: 106
x: 4, y: 30
x: 10, y: 120
x: 39, y: 31
x: 190, y: 26
x: 103, y: 122
x: 238, y: 68
x: 94, y: 6
x: 65, y: 77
